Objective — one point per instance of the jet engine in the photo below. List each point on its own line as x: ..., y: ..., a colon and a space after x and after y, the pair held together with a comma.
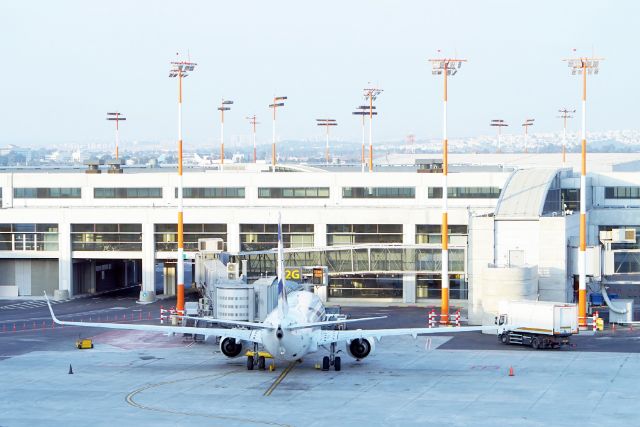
x: 230, y: 347
x: 361, y: 348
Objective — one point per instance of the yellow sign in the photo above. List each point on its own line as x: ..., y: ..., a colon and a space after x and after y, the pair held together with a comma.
x: 293, y: 273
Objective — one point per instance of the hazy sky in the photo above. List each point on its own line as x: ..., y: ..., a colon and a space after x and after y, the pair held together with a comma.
x: 66, y: 63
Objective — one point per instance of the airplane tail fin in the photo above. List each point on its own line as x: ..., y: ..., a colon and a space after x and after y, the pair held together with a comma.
x: 282, y: 291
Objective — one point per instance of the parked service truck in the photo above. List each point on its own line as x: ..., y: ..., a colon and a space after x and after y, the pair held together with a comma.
x: 540, y: 324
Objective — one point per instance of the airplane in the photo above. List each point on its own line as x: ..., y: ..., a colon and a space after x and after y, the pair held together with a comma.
x: 290, y: 332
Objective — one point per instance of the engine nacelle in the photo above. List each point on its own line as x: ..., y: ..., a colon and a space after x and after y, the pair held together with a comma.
x: 361, y: 348
x: 231, y: 347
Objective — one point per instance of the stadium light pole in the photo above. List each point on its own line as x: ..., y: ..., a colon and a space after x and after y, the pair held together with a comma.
x: 499, y: 123
x: 362, y: 111
x: 583, y: 66
x: 116, y: 117
x: 180, y: 69
x: 371, y: 94
x: 253, y: 122
x: 447, y: 67
x: 564, y: 115
x: 526, y: 124
x: 225, y: 105
x: 278, y: 101
x: 327, y: 123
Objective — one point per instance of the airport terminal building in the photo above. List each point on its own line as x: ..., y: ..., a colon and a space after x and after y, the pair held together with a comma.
x: 513, y: 230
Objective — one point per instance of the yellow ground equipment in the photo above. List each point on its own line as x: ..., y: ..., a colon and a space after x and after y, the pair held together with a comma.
x: 84, y: 343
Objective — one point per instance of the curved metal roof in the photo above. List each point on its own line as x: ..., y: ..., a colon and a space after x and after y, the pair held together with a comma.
x: 525, y: 192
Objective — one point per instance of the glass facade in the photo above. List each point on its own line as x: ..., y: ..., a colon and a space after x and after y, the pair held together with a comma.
x: 366, y: 286
x: 106, y: 237
x: 428, y: 286
x: 127, y: 193
x: 465, y: 192
x: 293, y: 192
x: 260, y: 237
x: 622, y: 192
x: 356, y: 234
x: 212, y: 192
x: 570, y: 198
x: 46, y: 193
x: 432, y: 233
x: 28, y: 237
x: 378, y: 192
x: 166, y: 235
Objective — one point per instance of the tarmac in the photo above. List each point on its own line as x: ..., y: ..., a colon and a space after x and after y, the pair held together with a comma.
x: 138, y: 378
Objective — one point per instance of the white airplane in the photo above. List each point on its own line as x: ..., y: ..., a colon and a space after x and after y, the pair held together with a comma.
x: 290, y: 332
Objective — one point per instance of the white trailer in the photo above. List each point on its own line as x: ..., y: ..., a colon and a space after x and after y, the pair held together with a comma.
x: 540, y: 324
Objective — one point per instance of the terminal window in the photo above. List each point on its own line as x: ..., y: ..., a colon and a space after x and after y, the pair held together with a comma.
x: 622, y: 192
x: 357, y: 234
x: 127, y: 193
x: 212, y: 192
x: 465, y: 192
x: 378, y: 192
x: 166, y: 235
x: 106, y: 237
x: 293, y: 192
x: 28, y: 237
x: 259, y: 237
x: 432, y: 233
x: 46, y: 193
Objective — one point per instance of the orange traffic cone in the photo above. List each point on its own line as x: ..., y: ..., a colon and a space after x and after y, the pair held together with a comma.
x: 511, y: 374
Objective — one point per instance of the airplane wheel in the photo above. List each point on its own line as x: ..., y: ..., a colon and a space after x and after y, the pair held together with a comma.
x: 325, y: 363
x: 336, y: 363
x: 261, y: 363
x: 250, y: 363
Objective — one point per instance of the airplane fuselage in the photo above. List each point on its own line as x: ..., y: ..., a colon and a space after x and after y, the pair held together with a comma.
x: 286, y: 344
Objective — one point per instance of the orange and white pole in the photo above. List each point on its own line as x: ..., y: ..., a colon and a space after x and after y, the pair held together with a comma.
x: 582, y: 256
x: 180, y: 256
x: 444, y: 311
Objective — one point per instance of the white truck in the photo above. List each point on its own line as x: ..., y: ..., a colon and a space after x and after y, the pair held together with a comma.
x: 540, y: 324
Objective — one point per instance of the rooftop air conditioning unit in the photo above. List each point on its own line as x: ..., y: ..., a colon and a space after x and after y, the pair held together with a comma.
x: 210, y: 245
x: 623, y: 235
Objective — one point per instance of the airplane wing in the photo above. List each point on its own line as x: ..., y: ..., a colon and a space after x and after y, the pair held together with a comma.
x: 253, y: 325
x: 328, y: 337
x: 239, y: 334
x: 331, y: 322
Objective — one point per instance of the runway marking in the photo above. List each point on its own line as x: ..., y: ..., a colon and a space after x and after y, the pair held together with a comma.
x: 280, y: 378
x: 29, y: 304
x: 131, y: 401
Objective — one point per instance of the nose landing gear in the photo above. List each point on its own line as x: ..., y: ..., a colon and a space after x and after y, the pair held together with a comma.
x: 331, y: 360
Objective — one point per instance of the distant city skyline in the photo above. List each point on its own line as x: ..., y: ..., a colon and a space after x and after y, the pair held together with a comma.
x: 68, y: 63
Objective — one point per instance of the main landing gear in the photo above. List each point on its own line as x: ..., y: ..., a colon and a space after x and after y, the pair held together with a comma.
x: 331, y: 360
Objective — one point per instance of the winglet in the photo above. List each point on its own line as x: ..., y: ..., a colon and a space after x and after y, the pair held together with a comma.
x: 53, y: 316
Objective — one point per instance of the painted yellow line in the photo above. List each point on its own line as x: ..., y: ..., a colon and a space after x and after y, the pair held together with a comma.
x: 280, y: 378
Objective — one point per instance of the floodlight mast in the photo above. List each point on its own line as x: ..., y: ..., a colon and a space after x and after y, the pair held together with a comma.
x: 445, y: 67
x: 362, y: 111
x: 564, y: 115
x: 526, y: 124
x: 582, y: 66
x: 371, y: 94
x: 327, y: 123
x: 278, y: 101
x: 253, y: 122
x: 179, y: 69
x: 499, y: 123
x: 225, y: 105
x: 116, y: 117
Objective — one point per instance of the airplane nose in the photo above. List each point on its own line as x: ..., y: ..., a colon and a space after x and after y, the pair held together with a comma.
x: 279, y: 333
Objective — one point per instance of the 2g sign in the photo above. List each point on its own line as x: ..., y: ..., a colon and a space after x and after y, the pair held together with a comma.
x: 293, y: 273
